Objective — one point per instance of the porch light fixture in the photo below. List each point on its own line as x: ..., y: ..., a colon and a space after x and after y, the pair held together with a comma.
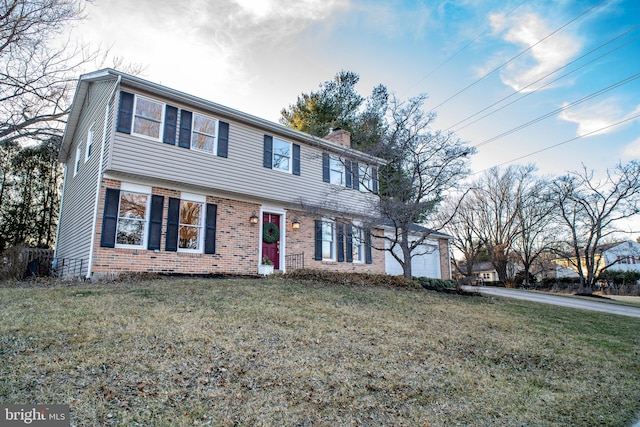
x: 295, y: 224
x: 253, y: 219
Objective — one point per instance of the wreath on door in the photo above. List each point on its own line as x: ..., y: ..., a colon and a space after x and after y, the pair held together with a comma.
x: 270, y: 233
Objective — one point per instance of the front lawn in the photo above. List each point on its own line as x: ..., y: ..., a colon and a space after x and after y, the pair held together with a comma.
x: 279, y: 352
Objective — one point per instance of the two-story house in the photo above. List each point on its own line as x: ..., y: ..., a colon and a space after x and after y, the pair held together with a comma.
x: 157, y: 180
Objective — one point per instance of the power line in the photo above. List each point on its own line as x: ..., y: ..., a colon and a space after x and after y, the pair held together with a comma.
x: 495, y: 70
x: 562, y: 143
x: 446, y: 61
x: 544, y: 77
x: 558, y: 110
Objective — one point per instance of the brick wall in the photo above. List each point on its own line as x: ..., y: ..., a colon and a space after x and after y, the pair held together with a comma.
x: 303, y: 240
x: 237, y: 244
x: 445, y: 262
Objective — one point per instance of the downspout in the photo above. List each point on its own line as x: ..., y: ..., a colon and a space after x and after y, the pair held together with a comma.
x: 99, y: 180
x: 64, y: 186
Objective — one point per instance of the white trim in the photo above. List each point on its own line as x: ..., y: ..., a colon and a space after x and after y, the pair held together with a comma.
x: 89, y: 143
x: 334, y: 233
x: 133, y: 118
x: 96, y: 205
x: 214, y: 149
x: 192, y: 197
x: 135, y: 188
x: 76, y: 160
x: 273, y: 154
x: 283, y: 234
x: 145, y: 234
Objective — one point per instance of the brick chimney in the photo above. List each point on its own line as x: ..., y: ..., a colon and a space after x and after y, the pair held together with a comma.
x: 339, y: 136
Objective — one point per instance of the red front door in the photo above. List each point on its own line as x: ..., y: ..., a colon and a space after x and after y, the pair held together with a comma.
x: 271, y: 250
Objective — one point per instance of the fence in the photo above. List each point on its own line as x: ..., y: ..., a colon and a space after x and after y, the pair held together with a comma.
x: 37, y: 261
x: 41, y: 263
x: 294, y: 261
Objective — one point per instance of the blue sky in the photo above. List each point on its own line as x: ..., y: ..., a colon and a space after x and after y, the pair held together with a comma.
x: 259, y: 55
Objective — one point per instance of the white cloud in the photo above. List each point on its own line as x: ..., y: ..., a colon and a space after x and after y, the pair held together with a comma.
x: 525, y: 30
x: 597, y: 116
x: 632, y: 151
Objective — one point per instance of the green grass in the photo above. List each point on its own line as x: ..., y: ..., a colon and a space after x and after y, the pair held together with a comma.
x: 280, y: 352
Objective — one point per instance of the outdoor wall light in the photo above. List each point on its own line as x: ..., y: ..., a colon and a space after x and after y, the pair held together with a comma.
x: 253, y: 219
x: 295, y: 224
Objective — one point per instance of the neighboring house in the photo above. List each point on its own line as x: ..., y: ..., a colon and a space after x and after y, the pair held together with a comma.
x: 430, y: 259
x: 157, y: 180
x: 621, y: 256
x: 481, y: 271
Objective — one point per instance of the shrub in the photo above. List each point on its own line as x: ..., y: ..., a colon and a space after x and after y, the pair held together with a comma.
x: 436, y: 284
x: 12, y: 263
x: 352, y: 279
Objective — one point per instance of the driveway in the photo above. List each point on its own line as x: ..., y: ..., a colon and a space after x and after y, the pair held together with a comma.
x: 558, y: 300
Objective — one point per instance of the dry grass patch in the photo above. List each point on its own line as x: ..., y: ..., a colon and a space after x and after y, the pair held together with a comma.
x: 281, y: 352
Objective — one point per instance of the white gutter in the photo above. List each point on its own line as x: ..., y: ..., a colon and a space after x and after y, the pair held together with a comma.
x: 107, y: 113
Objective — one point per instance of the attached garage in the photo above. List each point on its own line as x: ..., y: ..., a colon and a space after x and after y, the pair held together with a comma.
x: 431, y: 258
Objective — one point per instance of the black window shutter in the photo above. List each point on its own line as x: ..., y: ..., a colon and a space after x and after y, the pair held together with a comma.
x: 185, y: 129
x: 110, y: 217
x: 356, y: 175
x: 267, y: 156
x: 340, y: 239
x: 367, y: 247
x: 326, y: 174
x: 155, y: 222
x: 318, y: 238
x: 173, y: 220
x: 296, y: 159
x: 210, y: 229
x: 349, y: 233
x: 170, y: 125
x: 223, y: 139
x: 374, y: 180
x: 348, y: 173
x: 125, y: 112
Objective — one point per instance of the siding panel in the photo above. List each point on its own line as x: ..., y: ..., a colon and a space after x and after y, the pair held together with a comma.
x: 77, y: 211
x: 137, y: 156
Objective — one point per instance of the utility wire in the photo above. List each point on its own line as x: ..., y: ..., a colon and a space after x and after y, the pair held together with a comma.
x: 628, y: 119
x: 456, y: 53
x: 544, y: 77
x: 558, y: 110
x: 495, y: 70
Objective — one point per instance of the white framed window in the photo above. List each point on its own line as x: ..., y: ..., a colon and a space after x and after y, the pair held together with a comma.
x: 190, y: 226
x: 131, y: 230
x: 357, y: 243
x: 328, y: 240
x: 282, y: 155
x: 203, y: 133
x: 76, y: 167
x: 364, y: 173
x: 89, y: 145
x: 336, y: 171
x: 148, y: 116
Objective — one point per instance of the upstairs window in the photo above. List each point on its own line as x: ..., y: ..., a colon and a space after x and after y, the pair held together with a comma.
x: 203, y: 133
x: 76, y: 168
x: 147, y: 117
x: 336, y: 171
x: 89, y: 144
x: 364, y: 173
x: 281, y: 155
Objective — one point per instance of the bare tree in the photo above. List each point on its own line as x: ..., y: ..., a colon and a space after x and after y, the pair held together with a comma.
x: 459, y: 220
x: 37, y: 75
x: 423, y: 166
x: 590, y: 210
x: 535, y: 223
x: 496, y: 198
